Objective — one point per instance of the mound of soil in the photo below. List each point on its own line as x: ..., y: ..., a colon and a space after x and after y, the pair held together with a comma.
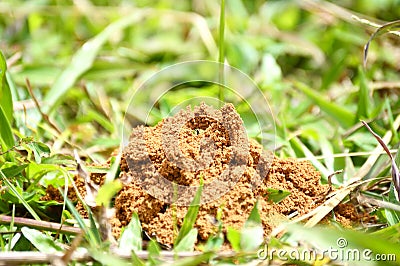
x: 146, y: 163
x: 162, y: 166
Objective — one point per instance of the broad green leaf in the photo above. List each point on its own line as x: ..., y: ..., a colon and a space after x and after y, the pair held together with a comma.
x: 343, y: 116
x: 187, y: 242
x: 364, y: 102
x: 107, y: 192
x: 131, y: 238
x: 42, y: 242
x: 233, y: 236
x: 277, y: 195
x: 5, y: 92
x: 191, y: 215
x: 83, y: 61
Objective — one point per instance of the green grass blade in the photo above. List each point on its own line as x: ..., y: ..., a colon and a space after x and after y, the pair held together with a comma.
x: 391, y: 233
x: 92, y: 237
x: 252, y: 234
x: 83, y: 61
x: 107, y: 258
x: 221, y: 56
x: 131, y: 238
x: 326, y: 239
x: 343, y: 116
x: 42, y: 242
x: 5, y: 92
x: 364, y: 103
x: 277, y: 195
x: 136, y: 260
x: 19, y: 196
x: 191, y: 216
x: 233, y: 237
x: 195, y: 260
x: 188, y: 241
x: 6, y: 135
x: 296, y: 143
x: 379, y: 31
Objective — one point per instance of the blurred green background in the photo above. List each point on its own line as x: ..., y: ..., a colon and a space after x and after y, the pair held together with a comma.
x: 74, y: 66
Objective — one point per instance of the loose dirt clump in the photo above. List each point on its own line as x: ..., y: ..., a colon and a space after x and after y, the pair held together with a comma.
x: 205, y: 146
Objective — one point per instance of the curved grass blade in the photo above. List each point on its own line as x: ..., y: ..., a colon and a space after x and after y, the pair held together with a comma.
x: 379, y: 31
x: 191, y: 215
x: 395, y: 169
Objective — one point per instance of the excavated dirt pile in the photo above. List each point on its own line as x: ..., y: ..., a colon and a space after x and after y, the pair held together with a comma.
x: 164, y: 164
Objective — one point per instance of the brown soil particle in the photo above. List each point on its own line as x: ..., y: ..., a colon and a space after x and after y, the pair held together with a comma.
x: 211, y: 148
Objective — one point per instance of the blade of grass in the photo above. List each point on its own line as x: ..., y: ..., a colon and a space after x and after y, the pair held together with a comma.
x: 379, y: 31
x: 391, y: 121
x: 6, y: 136
x: 131, y: 238
x: 5, y: 92
x: 19, y: 196
x: 321, y: 211
x: 344, y: 117
x: 221, y: 57
x: 364, y: 102
x: 191, y: 215
x: 394, y: 168
x: 252, y: 234
x: 187, y: 242
x: 296, y: 142
x: 82, y: 61
x: 42, y: 242
x: 325, y: 238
